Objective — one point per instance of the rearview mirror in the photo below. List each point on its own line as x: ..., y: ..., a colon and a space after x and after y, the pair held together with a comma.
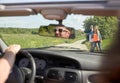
x: 59, y: 31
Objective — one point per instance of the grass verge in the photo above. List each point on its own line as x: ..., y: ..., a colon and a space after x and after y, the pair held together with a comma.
x: 35, y: 41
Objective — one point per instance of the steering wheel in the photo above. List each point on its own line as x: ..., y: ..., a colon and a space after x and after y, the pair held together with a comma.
x: 19, y: 75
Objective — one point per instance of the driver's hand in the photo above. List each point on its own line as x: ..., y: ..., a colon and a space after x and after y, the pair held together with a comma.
x: 13, y: 48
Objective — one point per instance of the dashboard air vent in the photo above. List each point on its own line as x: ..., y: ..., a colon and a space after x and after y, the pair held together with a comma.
x: 70, y: 77
x: 53, y: 74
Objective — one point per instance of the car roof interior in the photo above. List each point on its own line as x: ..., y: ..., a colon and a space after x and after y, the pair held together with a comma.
x: 59, y: 10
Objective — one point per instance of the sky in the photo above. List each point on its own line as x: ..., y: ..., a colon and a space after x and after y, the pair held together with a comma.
x: 35, y: 21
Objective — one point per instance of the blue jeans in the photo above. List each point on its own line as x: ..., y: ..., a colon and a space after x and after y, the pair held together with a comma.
x: 96, y: 44
x: 99, y: 45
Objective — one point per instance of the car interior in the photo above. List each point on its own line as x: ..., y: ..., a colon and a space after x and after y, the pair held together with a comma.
x: 35, y: 65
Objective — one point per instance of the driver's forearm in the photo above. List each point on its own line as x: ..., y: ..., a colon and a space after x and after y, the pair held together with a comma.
x: 6, y: 63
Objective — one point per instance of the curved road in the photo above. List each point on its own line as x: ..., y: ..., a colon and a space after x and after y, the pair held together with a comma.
x: 77, y: 44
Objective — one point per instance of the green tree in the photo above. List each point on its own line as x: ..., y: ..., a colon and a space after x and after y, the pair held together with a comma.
x: 87, y: 23
x: 107, y: 25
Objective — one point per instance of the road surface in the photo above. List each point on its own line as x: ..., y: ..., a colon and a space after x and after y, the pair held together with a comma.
x: 77, y: 44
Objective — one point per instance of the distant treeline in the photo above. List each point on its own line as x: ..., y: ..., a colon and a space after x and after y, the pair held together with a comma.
x: 11, y: 30
x: 43, y: 31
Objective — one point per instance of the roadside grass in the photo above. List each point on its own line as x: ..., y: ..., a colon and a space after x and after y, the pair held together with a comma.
x: 35, y: 41
x: 106, y: 43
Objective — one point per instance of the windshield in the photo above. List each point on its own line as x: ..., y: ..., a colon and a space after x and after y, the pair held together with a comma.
x: 24, y: 30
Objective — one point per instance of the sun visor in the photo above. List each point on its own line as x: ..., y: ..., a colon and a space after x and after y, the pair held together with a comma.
x: 16, y: 12
x: 54, y: 14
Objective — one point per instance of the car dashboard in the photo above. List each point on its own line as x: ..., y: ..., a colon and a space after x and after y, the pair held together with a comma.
x: 58, y: 66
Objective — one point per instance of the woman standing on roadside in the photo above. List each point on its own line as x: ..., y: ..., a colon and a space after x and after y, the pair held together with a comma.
x: 97, y: 39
